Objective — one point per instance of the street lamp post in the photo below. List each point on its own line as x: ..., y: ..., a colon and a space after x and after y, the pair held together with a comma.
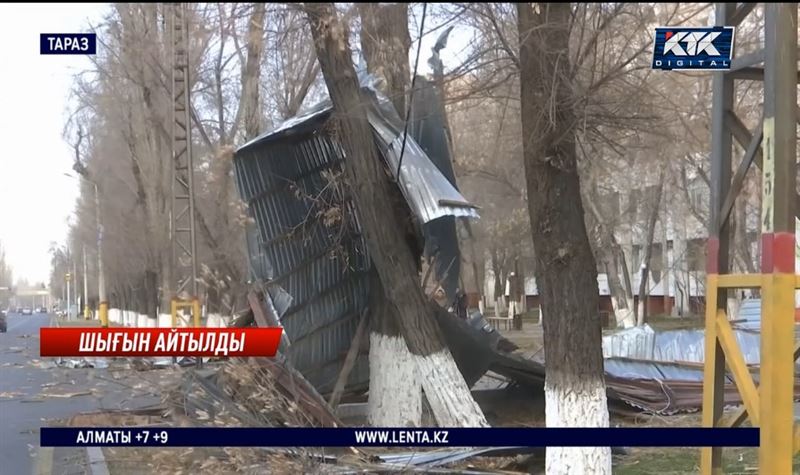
x: 101, y: 283
x: 85, y: 286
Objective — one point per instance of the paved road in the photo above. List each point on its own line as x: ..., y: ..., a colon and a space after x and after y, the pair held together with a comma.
x: 24, y: 376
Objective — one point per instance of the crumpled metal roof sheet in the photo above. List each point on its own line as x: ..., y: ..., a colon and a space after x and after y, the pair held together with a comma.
x: 285, y: 178
x: 631, y: 385
x: 636, y: 342
x: 673, y: 345
x: 327, y: 295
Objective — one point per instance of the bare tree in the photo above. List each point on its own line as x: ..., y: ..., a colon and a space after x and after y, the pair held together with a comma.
x: 566, y: 271
x: 444, y: 386
x: 655, y: 205
x: 395, y: 395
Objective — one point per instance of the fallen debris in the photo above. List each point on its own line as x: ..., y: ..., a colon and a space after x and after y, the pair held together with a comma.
x: 10, y: 394
x: 632, y: 385
x: 66, y: 395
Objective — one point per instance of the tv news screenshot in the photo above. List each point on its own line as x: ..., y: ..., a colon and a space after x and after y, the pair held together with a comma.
x: 485, y: 238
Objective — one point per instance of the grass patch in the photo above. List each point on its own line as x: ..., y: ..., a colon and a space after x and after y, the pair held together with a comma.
x: 687, y: 461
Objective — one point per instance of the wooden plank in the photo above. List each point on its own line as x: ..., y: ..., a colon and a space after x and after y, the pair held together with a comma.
x: 349, y: 361
x: 289, y: 378
x: 257, y: 306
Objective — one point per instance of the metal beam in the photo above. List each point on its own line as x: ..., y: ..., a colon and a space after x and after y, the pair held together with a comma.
x: 738, y: 366
x: 741, y: 172
x: 747, y: 60
x: 182, y: 226
x: 718, y: 259
x: 741, y: 13
x: 744, y: 138
x: 778, y: 240
x: 752, y: 74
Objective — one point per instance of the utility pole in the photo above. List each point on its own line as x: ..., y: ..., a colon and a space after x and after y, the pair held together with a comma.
x: 102, y: 309
x: 75, y: 273
x: 69, y: 306
x: 85, y: 286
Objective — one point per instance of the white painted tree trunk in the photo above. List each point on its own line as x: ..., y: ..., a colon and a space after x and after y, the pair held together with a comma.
x: 623, y: 316
x: 448, y: 395
x: 733, y: 307
x: 573, y: 402
x: 640, y: 316
x: 395, y: 395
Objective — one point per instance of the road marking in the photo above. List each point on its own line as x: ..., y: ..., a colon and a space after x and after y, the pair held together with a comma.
x: 97, y: 462
x: 44, y: 463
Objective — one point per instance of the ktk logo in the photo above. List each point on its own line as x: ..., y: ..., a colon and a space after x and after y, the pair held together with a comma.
x: 709, y: 48
x: 696, y: 42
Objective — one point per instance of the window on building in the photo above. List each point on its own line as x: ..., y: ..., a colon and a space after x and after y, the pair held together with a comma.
x: 656, y: 256
x: 633, y: 202
x: 698, y: 194
x: 696, y: 255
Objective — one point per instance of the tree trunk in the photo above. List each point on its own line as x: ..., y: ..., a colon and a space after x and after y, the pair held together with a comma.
x: 151, y: 294
x: 385, y: 42
x: 680, y: 260
x: 447, y: 392
x: 612, y: 254
x: 251, y: 76
x: 498, y: 269
x: 666, y: 270
x: 395, y: 394
x: 641, y: 316
x: 566, y: 273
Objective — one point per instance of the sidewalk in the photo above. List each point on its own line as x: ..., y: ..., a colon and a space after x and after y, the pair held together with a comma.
x: 63, y: 322
x: 70, y: 460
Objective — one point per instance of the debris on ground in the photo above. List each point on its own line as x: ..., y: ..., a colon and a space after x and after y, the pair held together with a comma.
x: 66, y: 395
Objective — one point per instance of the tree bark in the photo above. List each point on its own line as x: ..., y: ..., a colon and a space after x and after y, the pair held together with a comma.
x: 666, y: 271
x: 385, y: 42
x: 251, y: 76
x: 447, y: 392
x: 566, y: 272
x: 641, y: 315
x: 395, y: 394
x: 612, y: 254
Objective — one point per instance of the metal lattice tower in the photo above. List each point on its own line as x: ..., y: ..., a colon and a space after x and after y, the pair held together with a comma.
x: 772, y: 146
x: 182, y: 226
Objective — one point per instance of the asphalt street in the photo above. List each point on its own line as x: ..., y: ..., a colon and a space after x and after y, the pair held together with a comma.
x: 34, y: 391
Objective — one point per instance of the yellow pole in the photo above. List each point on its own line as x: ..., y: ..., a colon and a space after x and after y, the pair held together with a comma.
x: 196, y: 311
x: 779, y: 171
x: 104, y: 314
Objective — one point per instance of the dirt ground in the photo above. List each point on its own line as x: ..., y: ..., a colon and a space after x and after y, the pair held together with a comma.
x: 638, y: 461
x: 522, y: 410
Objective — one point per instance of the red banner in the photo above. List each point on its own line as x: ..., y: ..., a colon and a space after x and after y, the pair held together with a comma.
x: 92, y: 342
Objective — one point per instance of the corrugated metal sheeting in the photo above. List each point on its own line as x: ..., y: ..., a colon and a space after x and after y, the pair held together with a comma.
x: 328, y: 294
x: 291, y: 178
x: 673, y: 345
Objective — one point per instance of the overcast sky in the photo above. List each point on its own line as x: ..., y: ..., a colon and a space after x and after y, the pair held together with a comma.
x: 35, y: 197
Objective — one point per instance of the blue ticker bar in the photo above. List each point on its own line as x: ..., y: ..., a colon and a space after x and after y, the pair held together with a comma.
x: 397, y: 437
